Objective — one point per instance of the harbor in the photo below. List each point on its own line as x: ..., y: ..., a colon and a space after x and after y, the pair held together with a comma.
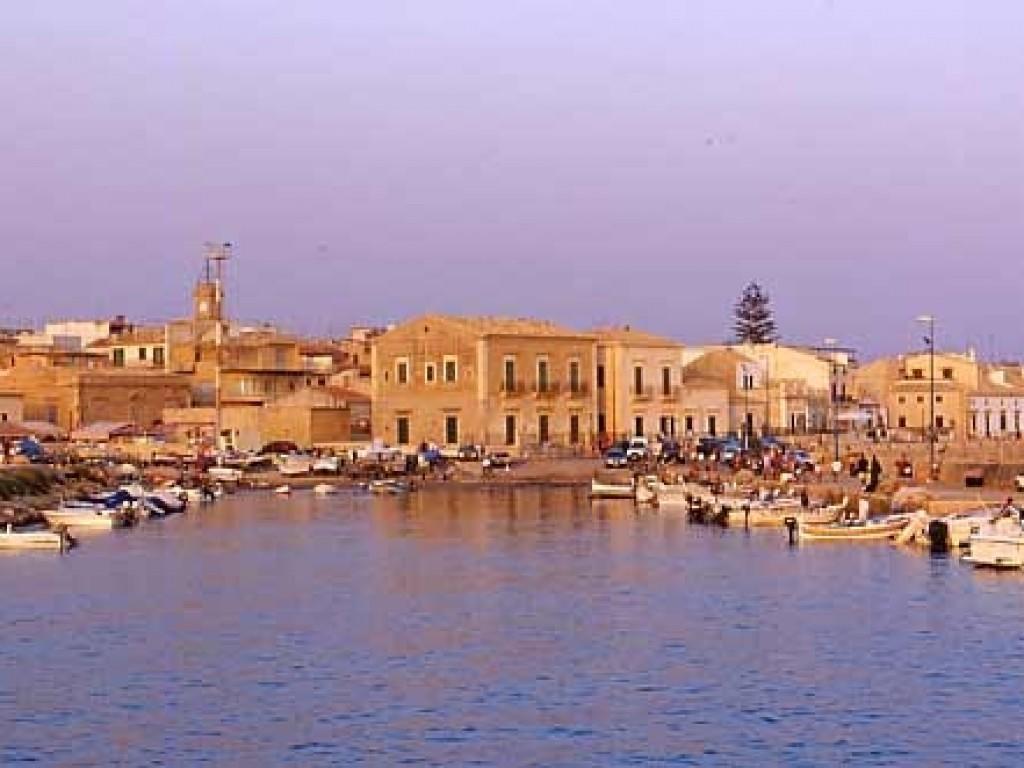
x: 528, y: 620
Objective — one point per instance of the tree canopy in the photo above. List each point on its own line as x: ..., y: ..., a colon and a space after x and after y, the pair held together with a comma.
x: 753, y: 321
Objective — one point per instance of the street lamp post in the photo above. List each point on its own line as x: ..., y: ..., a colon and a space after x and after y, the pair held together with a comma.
x: 830, y: 344
x: 928, y: 321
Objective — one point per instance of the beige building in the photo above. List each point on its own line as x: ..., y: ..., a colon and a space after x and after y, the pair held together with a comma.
x: 638, y: 384
x: 511, y: 383
x: 140, y: 348
x: 12, y: 407
x: 905, y: 386
x: 996, y: 409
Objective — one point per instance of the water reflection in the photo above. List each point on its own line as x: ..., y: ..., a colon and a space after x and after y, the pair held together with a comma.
x: 507, y: 627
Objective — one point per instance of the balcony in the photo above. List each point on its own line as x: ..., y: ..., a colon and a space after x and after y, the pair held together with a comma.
x: 511, y: 389
x: 670, y: 394
x: 642, y: 393
x: 581, y: 390
x: 547, y: 390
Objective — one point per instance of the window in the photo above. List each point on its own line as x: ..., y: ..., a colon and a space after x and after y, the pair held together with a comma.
x: 712, y: 426
x: 666, y: 381
x: 451, y: 430
x: 543, y: 381
x: 600, y: 377
x: 510, y: 430
x: 574, y: 429
x: 402, y: 430
x: 920, y: 398
x: 638, y: 379
x: 430, y: 373
x: 119, y: 356
x: 543, y: 434
x: 638, y: 426
x: 142, y: 353
x: 917, y: 373
x: 158, y: 355
x: 663, y: 426
x: 574, y: 376
x: 940, y: 422
x: 938, y: 398
x: 1002, y: 421
x: 402, y: 372
x: 451, y: 370
x: 689, y: 425
x: 902, y: 399
x: 902, y: 422
x: 3, y: 416
x: 947, y: 374
x: 602, y: 423
x: 508, y: 383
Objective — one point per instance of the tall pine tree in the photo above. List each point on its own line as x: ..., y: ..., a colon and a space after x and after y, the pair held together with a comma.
x: 754, y: 322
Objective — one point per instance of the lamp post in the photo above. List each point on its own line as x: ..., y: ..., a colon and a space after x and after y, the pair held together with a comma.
x: 928, y: 321
x: 830, y: 344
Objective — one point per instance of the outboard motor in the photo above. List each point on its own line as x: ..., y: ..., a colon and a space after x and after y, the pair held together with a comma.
x: 938, y: 535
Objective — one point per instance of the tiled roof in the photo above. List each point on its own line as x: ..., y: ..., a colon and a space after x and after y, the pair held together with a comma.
x: 483, y: 325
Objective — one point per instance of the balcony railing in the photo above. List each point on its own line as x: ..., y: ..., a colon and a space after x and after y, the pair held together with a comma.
x: 512, y: 388
x: 581, y: 389
x: 669, y: 394
x: 547, y: 389
x: 642, y: 393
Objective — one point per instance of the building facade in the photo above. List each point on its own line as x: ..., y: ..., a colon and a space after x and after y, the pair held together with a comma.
x: 510, y: 383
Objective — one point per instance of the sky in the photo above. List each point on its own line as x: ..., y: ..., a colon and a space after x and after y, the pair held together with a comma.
x: 591, y: 163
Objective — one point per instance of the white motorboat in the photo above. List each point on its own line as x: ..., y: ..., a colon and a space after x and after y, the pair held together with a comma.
x: 35, y: 537
x: 954, y: 531
x: 388, y: 487
x: 283, y: 490
x: 998, y: 543
x: 613, y: 485
x: 324, y: 489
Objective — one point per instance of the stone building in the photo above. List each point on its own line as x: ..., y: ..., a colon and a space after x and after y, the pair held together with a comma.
x: 511, y: 383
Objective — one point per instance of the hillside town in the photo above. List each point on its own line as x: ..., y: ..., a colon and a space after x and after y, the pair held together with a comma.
x: 205, y: 384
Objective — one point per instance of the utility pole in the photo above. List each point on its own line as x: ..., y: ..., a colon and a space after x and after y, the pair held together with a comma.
x: 830, y: 344
x: 216, y: 254
x: 928, y: 321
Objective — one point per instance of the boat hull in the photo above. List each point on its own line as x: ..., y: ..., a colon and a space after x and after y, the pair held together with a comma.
x: 47, y: 540
x: 871, y: 531
x: 995, y: 551
x: 611, y: 491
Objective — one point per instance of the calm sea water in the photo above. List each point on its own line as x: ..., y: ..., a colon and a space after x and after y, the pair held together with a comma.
x: 500, y: 628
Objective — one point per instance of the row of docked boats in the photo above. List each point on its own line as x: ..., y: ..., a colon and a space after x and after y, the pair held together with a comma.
x: 119, y: 508
x: 988, y: 537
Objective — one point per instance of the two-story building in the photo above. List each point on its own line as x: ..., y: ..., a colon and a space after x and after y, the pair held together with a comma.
x: 513, y: 383
x: 638, y: 384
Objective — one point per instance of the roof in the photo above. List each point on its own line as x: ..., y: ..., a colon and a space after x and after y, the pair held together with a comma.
x: 628, y: 335
x: 485, y: 325
x: 100, y: 431
x: 144, y: 335
x: 43, y: 429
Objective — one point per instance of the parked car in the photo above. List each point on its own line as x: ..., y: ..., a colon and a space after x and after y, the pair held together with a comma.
x: 327, y: 465
x: 670, y: 452
x: 638, y: 449
x: 615, y: 457
x: 498, y: 460
x: 469, y: 453
x: 729, y: 449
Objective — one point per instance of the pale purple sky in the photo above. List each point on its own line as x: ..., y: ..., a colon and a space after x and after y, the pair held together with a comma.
x: 590, y: 162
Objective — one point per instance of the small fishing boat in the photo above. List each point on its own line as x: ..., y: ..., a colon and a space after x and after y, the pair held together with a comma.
x: 324, y: 489
x: 612, y: 485
x: 876, y: 529
x: 89, y: 517
x: 35, y: 537
x: 998, y: 543
x: 388, y: 487
x: 296, y: 466
x: 283, y: 490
